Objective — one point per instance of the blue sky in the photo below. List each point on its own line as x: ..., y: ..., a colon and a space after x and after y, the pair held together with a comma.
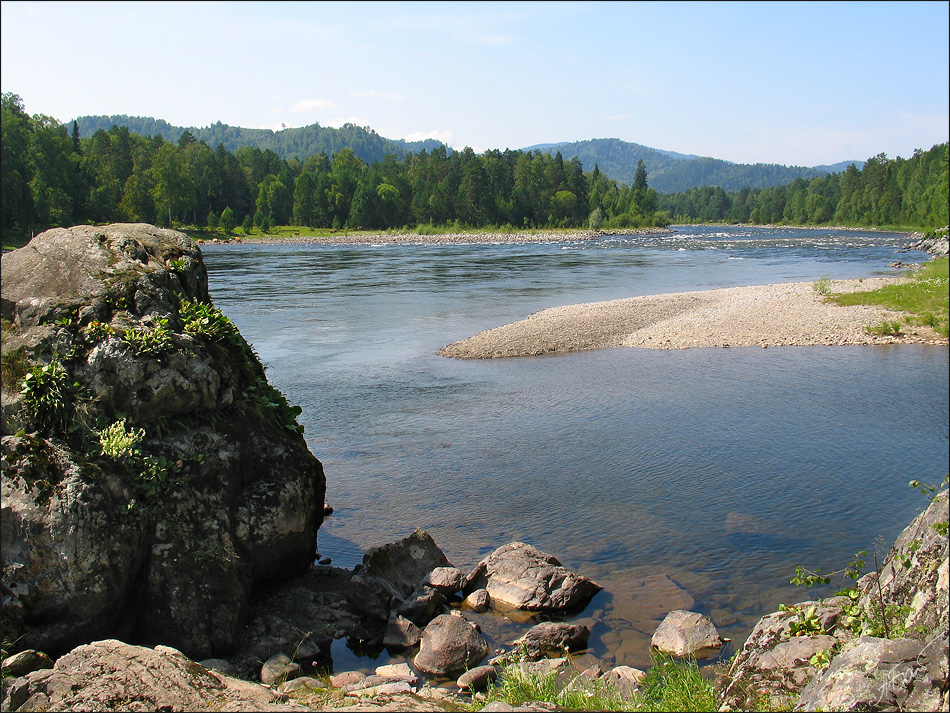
x: 794, y: 83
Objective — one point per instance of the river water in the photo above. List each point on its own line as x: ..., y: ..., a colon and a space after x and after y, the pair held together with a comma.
x: 695, y: 478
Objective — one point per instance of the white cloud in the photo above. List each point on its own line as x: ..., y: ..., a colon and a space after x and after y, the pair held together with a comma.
x: 277, y: 110
x: 443, y: 135
x: 305, y: 105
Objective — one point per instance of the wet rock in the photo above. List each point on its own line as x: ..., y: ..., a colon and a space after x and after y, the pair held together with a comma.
x: 519, y: 576
x: 551, y: 639
x: 685, y: 633
x: 450, y: 644
x: 478, y: 601
x: 401, y: 633
x: 98, y: 675
x: 422, y: 605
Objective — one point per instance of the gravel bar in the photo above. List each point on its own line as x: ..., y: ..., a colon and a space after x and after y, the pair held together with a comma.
x: 785, y: 314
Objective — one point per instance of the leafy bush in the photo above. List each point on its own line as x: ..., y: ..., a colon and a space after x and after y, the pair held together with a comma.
x: 206, y: 321
x: 149, y: 341
x: 48, y: 394
x: 116, y: 442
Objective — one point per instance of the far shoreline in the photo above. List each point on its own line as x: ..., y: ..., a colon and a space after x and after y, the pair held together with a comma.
x: 536, y: 236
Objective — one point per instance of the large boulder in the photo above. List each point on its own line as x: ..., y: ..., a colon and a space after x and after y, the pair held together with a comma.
x: 519, y: 576
x: 112, y: 675
x: 450, y: 645
x: 151, y: 476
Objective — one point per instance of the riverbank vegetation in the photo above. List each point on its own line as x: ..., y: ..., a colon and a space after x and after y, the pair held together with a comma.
x: 53, y: 177
x: 885, y: 193
x: 924, y: 299
x: 669, y: 685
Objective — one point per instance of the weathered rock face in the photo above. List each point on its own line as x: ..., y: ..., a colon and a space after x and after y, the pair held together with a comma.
x: 111, y: 675
x: 519, y: 576
x: 819, y: 656
x: 156, y: 476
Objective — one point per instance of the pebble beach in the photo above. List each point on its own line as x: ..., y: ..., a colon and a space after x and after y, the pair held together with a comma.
x: 785, y: 314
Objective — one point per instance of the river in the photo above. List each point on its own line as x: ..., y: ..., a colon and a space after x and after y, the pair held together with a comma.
x: 699, y: 477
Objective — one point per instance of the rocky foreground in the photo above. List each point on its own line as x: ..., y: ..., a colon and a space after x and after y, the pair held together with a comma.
x: 880, y: 647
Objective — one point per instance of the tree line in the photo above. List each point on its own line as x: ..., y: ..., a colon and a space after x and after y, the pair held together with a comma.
x: 886, y: 192
x: 52, y: 176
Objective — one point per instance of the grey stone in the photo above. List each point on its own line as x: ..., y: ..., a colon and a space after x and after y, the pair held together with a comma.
x: 624, y: 679
x: 447, y: 580
x: 684, y: 633
x: 450, y: 644
x: 519, y: 576
x: 422, y: 605
x: 25, y: 662
x: 401, y: 633
x: 551, y: 639
x: 398, y: 567
x: 279, y: 667
x: 478, y: 678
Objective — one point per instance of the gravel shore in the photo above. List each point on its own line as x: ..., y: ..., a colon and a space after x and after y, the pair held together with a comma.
x: 783, y: 314
x: 470, y: 238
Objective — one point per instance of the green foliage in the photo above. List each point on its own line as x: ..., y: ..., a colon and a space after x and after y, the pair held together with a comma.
x: 208, y: 322
x: 97, y: 331
x: 925, y: 297
x: 49, y: 394
x: 885, y: 328
x: 673, y: 685
x: 149, y: 341
x: 117, y: 442
x: 807, y: 624
x: 823, y: 285
x: 270, y: 403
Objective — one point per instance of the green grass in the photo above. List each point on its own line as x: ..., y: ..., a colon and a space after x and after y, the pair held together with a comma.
x: 924, y: 299
x: 670, y: 685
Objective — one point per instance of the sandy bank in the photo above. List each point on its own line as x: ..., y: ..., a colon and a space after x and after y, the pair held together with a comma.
x: 764, y: 316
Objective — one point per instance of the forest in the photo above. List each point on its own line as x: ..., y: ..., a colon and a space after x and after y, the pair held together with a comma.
x: 51, y: 176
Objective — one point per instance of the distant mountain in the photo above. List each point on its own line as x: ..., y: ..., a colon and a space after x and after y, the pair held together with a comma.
x: 671, y: 172
x: 286, y: 143
x: 667, y: 171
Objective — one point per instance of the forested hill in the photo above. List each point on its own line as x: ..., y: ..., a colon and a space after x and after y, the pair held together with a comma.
x: 299, y: 143
x: 671, y: 172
